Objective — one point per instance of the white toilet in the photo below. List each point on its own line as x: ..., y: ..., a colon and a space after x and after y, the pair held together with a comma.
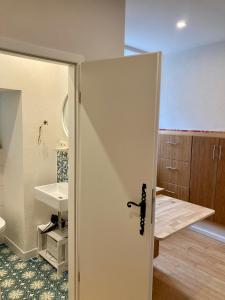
x: 2, y: 229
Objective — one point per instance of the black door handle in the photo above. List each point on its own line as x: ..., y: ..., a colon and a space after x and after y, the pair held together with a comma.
x: 142, y: 206
x: 129, y: 204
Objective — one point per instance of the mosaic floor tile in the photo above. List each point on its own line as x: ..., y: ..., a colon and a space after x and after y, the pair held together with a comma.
x: 33, y: 279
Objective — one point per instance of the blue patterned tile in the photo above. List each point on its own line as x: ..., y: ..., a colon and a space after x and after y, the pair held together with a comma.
x: 62, y: 166
x: 33, y: 279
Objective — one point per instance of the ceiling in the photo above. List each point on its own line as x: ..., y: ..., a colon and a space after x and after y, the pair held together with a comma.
x: 151, y: 24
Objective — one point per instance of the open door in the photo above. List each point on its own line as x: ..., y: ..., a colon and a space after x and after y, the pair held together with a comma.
x: 118, y: 134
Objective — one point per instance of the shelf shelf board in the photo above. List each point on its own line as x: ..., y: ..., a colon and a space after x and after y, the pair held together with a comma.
x: 51, y: 259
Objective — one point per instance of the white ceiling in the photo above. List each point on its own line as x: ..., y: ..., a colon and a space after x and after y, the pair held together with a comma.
x: 151, y: 24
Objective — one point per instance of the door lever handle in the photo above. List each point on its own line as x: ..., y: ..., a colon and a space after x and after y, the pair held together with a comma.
x: 129, y: 204
x: 142, y: 206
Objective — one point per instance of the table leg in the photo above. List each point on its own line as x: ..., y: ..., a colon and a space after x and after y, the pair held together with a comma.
x: 156, y: 248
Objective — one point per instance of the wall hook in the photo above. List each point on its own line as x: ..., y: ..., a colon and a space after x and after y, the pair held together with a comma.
x: 45, y: 123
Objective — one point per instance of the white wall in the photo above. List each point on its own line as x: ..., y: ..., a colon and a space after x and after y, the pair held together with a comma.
x: 11, y: 133
x: 43, y: 88
x: 1, y: 173
x: 94, y: 29
x: 193, y: 89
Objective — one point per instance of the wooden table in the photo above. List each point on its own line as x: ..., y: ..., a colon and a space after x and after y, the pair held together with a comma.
x: 172, y: 215
x: 159, y: 190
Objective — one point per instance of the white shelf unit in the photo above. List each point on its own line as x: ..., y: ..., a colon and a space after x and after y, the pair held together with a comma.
x: 60, y: 239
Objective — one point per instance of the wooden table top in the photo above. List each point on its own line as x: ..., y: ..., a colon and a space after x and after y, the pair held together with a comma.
x: 159, y: 190
x: 172, y: 215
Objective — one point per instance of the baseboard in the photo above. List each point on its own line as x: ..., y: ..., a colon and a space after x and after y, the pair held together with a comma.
x: 24, y: 255
x: 2, y: 239
x: 210, y: 232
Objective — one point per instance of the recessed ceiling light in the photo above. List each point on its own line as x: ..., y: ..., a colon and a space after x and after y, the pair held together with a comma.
x: 181, y: 24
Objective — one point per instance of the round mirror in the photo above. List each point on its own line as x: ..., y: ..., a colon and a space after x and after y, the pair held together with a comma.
x: 65, y: 116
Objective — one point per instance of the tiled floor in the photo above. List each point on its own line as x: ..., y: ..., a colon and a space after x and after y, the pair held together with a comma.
x: 34, y: 279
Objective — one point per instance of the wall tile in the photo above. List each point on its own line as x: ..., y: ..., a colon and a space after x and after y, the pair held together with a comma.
x: 62, y: 166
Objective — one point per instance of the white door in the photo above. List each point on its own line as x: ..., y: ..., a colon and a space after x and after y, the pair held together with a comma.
x: 118, y: 129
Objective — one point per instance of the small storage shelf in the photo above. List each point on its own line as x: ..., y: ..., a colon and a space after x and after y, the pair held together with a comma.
x: 53, y: 247
x: 47, y: 256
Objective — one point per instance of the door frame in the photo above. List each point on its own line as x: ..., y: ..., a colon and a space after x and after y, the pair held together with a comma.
x: 23, y: 49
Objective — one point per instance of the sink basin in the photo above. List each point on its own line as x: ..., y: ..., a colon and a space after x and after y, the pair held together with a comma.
x: 54, y: 195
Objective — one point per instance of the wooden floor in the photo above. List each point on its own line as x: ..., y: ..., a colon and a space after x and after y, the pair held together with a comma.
x: 190, y: 266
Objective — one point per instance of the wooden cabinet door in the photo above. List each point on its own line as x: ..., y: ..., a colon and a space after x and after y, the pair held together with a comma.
x: 220, y: 186
x: 205, y: 153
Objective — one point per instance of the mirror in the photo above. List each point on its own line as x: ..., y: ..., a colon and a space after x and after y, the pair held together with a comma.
x: 65, y: 116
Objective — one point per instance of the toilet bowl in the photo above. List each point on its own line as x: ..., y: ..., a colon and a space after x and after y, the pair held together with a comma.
x: 2, y: 226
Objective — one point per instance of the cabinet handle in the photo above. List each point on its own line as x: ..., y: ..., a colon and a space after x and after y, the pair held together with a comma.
x: 214, y: 149
x: 171, y: 143
x: 170, y: 192
x: 171, y: 168
x: 220, y: 153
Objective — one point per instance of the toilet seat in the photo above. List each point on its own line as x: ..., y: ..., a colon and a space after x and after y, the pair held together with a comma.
x: 2, y: 225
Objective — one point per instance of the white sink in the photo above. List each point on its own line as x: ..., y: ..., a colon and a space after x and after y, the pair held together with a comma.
x: 54, y: 195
